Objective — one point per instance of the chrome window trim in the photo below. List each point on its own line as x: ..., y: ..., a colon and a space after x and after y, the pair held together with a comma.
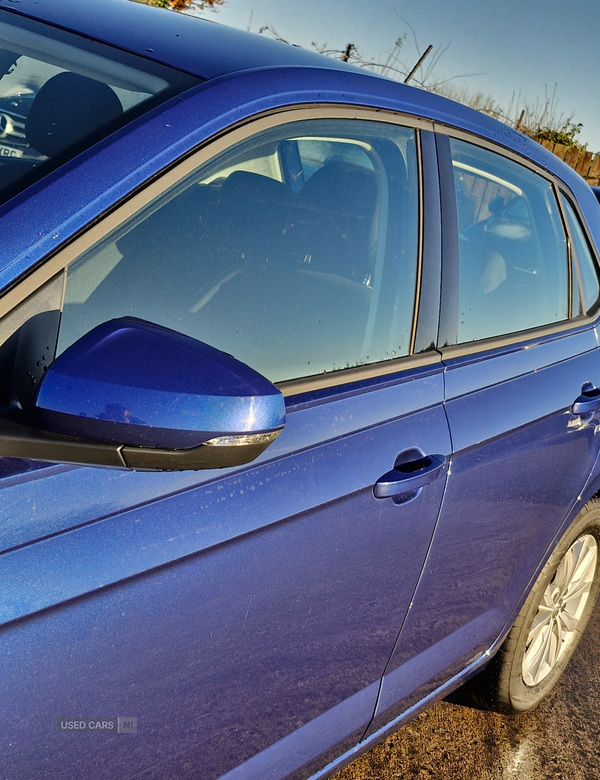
x: 351, y: 375
x: 565, y: 327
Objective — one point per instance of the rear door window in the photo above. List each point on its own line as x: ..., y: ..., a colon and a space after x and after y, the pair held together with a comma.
x: 513, y: 264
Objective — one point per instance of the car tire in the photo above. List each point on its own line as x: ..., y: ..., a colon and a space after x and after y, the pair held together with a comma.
x: 549, y: 626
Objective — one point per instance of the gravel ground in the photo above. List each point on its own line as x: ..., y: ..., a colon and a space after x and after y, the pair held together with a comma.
x: 558, y: 741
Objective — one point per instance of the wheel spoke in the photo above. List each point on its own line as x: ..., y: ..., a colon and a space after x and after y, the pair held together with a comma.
x: 554, y: 646
x: 586, y: 563
x: 568, y: 621
x: 547, y: 600
x: 563, y: 573
x: 543, y: 617
x: 574, y: 596
x: 536, y: 648
x: 535, y: 659
x: 577, y: 591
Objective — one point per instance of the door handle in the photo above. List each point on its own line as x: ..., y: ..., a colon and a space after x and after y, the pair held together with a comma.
x: 411, y: 476
x: 587, y: 402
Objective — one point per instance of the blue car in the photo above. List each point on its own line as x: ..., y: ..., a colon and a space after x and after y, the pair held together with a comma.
x: 300, y: 402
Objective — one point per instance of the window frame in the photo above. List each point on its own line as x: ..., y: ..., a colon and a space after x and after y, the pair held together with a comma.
x: 447, y: 333
x: 426, y: 284
x: 574, y: 268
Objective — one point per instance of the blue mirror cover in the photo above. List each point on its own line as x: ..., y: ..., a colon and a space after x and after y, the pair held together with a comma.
x: 136, y: 383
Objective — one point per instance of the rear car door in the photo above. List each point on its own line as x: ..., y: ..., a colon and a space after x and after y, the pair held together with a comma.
x: 519, y: 349
x: 241, y: 619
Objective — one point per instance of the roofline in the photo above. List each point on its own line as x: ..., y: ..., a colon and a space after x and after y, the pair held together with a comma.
x: 197, y: 46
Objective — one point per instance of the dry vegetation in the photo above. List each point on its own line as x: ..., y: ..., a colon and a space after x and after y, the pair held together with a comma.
x: 539, y: 119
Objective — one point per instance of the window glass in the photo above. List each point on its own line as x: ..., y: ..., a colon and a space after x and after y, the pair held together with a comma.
x: 513, y: 271
x: 59, y: 93
x: 585, y: 275
x: 295, y: 276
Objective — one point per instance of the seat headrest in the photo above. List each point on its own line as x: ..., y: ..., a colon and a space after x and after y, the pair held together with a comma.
x: 67, y: 108
x: 340, y: 184
x: 245, y: 187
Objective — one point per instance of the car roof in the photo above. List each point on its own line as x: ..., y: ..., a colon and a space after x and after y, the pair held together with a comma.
x: 198, y: 46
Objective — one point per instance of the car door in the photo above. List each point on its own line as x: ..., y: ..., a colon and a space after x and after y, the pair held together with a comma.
x: 519, y: 351
x: 237, y: 621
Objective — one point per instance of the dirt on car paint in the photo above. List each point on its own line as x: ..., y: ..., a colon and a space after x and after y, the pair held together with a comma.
x: 559, y: 740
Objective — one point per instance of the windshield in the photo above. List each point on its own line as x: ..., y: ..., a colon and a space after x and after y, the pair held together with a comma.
x: 60, y: 93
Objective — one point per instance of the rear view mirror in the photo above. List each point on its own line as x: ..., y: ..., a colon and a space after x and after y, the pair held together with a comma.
x: 133, y: 394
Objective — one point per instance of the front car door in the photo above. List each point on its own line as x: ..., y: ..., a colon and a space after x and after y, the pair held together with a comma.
x: 243, y: 617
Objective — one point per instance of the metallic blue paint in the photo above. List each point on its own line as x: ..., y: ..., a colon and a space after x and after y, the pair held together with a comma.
x: 520, y: 458
x: 476, y: 371
x: 31, y: 516
x: 249, y: 617
x: 294, y: 594
x: 133, y: 382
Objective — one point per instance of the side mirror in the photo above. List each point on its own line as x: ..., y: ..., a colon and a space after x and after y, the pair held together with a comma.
x: 133, y: 394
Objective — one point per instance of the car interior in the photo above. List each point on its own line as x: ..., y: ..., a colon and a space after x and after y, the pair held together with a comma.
x: 57, y: 99
x: 509, y: 271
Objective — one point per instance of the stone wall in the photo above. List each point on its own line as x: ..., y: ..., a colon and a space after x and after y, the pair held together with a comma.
x: 585, y: 163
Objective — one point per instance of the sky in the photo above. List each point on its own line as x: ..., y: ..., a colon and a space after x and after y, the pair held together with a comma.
x: 532, y: 48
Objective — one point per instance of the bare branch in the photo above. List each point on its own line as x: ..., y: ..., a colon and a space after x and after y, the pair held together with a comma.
x: 535, y: 119
x: 411, y: 28
x: 268, y: 28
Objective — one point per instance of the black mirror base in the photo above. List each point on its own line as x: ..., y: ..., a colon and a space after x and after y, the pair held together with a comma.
x: 18, y: 440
